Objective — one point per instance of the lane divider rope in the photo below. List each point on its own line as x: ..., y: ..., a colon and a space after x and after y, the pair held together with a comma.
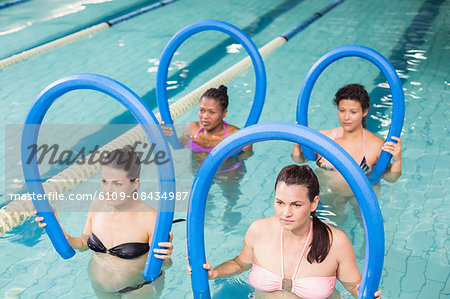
x: 77, y: 35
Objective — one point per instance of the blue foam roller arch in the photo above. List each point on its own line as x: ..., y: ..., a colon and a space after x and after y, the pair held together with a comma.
x: 370, y: 210
x: 398, y: 97
x: 178, y: 39
x: 153, y: 131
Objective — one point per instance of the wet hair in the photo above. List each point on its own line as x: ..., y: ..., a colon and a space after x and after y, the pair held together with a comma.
x: 322, y: 237
x: 219, y: 94
x: 126, y: 159
x: 354, y: 92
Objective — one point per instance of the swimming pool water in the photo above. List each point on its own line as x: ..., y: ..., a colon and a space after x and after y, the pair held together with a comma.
x: 411, y: 34
x: 23, y: 27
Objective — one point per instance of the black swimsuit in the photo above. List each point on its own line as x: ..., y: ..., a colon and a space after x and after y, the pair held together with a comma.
x: 123, y: 251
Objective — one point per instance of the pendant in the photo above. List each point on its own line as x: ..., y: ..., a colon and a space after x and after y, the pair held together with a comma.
x: 286, y: 285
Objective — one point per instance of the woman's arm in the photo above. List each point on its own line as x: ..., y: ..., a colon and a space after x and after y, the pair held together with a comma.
x: 248, y: 149
x: 246, y: 152
x: 79, y: 243
x: 348, y: 272
x: 187, y: 132
x: 395, y: 170
x: 239, y: 264
x: 297, y: 154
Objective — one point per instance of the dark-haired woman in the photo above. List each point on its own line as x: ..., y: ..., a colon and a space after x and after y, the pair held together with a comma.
x: 203, y: 135
x: 294, y: 254
x: 119, y: 230
x: 353, y: 104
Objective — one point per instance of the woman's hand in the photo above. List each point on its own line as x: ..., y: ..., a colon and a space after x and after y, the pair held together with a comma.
x: 167, y: 130
x: 395, y: 149
x: 40, y: 220
x: 377, y: 294
x: 208, y: 267
x: 164, y: 253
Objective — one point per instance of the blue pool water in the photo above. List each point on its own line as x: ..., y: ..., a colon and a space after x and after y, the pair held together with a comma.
x: 29, y: 25
x: 413, y: 35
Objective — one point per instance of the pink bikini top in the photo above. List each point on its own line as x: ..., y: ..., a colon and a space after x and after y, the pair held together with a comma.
x: 305, y: 287
x: 323, y: 163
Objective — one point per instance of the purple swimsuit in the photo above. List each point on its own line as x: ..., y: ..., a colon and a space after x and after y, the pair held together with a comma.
x: 200, y: 149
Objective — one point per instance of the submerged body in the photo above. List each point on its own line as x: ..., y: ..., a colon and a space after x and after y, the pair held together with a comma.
x: 119, y: 231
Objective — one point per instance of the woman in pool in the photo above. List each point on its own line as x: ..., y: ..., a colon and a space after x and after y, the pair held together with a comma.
x: 119, y: 231
x: 353, y: 104
x: 203, y: 135
x: 294, y: 254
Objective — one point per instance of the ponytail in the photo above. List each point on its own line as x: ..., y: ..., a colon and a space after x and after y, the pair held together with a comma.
x: 321, y: 242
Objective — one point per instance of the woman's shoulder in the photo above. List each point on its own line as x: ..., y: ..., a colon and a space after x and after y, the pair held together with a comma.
x: 374, y: 139
x: 261, y: 226
x: 231, y: 128
x: 194, y: 125
x: 145, y: 216
x: 330, y: 133
x: 144, y: 208
x: 340, y: 239
x: 258, y: 230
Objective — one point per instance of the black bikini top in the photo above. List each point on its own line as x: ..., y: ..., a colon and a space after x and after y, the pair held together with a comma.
x: 123, y: 251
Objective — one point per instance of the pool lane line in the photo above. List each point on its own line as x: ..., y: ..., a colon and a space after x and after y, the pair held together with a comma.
x: 77, y: 35
x: 4, y: 63
x: 187, y: 102
x: 139, y: 12
x: 16, y: 212
x: 11, y: 3
x: 212, y: 56
x: 292, y: 32
x: 198, y: 65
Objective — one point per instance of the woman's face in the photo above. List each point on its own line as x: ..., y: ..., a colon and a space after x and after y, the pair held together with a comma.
x: 292, y: 205
x: 350, y: 114
x: 210, y: 113
x: 115, y: 184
